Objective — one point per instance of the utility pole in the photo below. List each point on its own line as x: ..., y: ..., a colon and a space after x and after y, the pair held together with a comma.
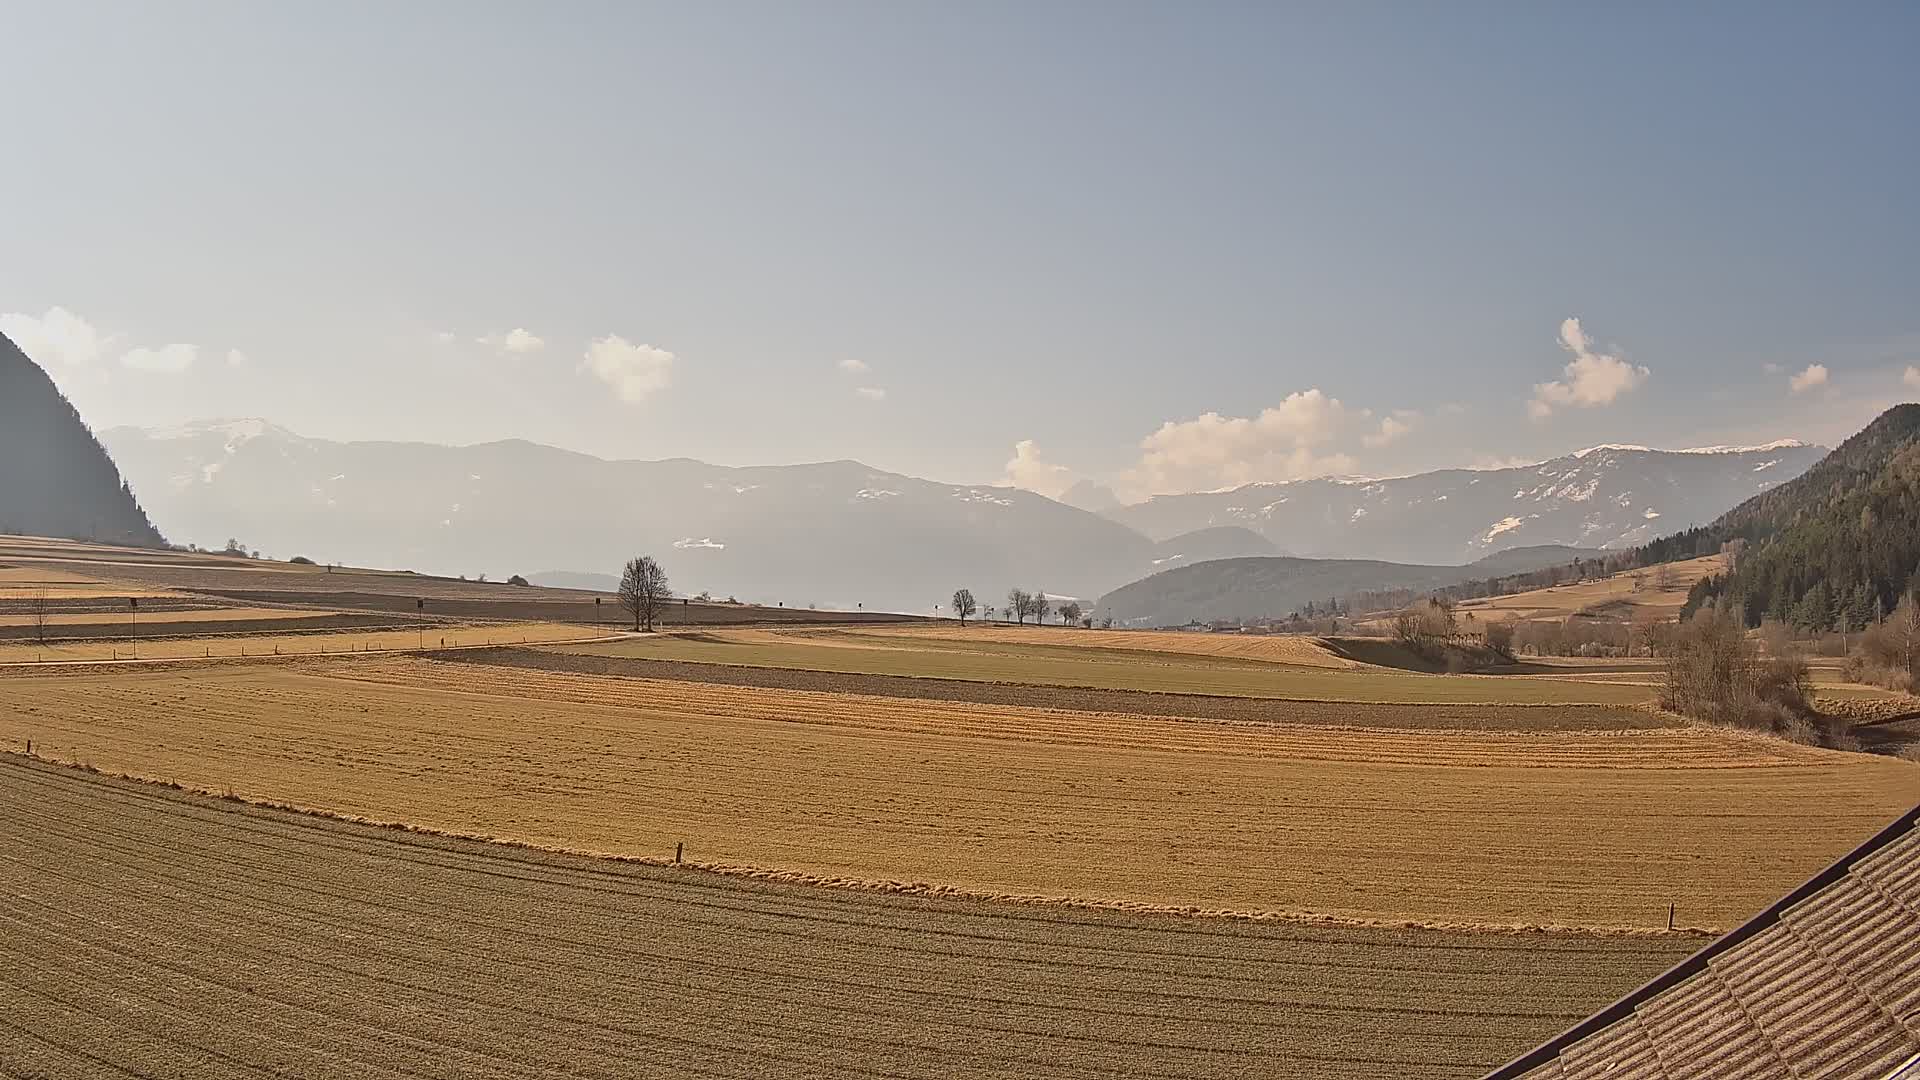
x: 420, y: 613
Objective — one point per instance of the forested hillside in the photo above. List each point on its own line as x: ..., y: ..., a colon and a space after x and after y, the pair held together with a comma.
x: 55, y: 479
x: 1836, y: 546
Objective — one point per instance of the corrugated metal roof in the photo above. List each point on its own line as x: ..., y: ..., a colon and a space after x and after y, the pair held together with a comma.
x: 1825, y: 983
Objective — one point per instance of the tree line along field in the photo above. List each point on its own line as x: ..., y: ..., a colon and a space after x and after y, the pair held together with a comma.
x: 152, y: 932
x: 1488, y: 828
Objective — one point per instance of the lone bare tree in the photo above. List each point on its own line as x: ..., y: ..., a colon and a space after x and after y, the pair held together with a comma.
x: 1038, y: 606
x: 1018, y: 604
x: 643, y: 590
x: 964, y: 605
x: 40, y: 616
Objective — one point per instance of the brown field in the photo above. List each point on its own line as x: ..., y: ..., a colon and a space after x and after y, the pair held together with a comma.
x: 204, y: 641
x: 149, y: 932
x: 1482, y: 828
x: 1032, y: 659
x: 1437, y: 716
x: 1614, y: 597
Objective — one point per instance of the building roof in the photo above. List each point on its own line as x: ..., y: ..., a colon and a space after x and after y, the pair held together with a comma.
x: 1824, y: 983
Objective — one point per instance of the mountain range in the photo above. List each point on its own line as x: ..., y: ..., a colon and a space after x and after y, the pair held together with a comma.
x: 845, y: 534
x: 55, y: 479
x: 1602, y: 497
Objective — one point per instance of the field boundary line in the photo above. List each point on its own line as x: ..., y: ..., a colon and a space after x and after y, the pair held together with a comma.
x: 892, y: 887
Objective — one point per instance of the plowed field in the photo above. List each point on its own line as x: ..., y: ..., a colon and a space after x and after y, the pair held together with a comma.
x: 1591, y: 829
x: 152, y: 933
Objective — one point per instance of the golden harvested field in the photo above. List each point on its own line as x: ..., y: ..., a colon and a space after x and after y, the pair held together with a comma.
x: 996, y: 657
x: 202, y: 615
x: 1483, y: 828
x: 1652, y: 601
x: 452, y: 635
x: 27, y: 583
x: 149, y: 932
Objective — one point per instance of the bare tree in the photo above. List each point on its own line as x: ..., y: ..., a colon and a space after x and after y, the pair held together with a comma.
x: 1018, y: 604
x: 964, y: 605
x: 1070, y: 614
x: 40, y: 616
x: 643, y: 590
x: 1038, y: 606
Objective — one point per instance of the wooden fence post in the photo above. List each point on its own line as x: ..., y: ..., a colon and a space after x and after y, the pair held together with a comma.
x: 677, y: 850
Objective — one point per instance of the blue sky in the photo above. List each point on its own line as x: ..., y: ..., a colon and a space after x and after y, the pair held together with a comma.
x: 1174, y: 246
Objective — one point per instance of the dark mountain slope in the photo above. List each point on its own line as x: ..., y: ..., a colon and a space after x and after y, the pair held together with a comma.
x: 55, y: 479
x: 1838, y: 543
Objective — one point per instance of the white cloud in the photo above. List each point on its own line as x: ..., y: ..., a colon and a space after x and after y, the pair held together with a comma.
x: 853, y: 365
x: 1814, y: 376
x: 57, y: 338
x: 165, y: 360
x: 516, y: 340
x: 1286, y: 442
x: 871, y: 393
x: 1771, y: 368
x: 236, y: 358
x: 444, y: 337
x: 1392, y: 427
x: 1911, y: 377
x: 1025, y: 470
x: 1592, y: 378
x: 633, y: 371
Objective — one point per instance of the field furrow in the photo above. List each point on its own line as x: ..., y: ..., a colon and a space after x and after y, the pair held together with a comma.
x: 165, y: 934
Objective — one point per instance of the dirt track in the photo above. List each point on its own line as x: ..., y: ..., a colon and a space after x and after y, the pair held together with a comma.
x: 152, y: 933
x: 1130, y: 702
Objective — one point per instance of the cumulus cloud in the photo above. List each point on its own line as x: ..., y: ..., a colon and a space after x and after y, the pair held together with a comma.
x: 871, y: 393
x: 1813, y: 377
x: 853, y: 365
x: 236, y: 358
x: 516, y: 340
x: 1288, y: 441
x: 57, y: 338
x: 1911, y: 377
x: 1591, y: 378
x: 1027, y: 471
x: 165, y: 360
x: 633, y: 371
x: 1392, y: 427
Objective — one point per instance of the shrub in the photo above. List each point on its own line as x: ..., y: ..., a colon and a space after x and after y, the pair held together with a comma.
x: 1715, y: 673
x: 516, y: 580
x: 301, y: 560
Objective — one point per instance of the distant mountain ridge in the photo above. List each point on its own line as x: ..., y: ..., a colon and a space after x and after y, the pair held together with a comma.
x: 840, y: 533
x: 1254, y: 589
x: 1611, y: 496
x: 55, y: 477
x: 836, y: 534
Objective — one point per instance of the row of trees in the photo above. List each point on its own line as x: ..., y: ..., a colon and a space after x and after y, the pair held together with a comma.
x: 1021, y: 606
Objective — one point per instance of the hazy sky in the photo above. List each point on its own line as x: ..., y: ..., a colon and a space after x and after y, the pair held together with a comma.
x: 1176, y: 246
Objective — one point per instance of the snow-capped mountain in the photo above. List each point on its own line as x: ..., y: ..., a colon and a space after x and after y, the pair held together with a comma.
x: 835, y: 533
x: 1602, y: 497
x: 841, y: 533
